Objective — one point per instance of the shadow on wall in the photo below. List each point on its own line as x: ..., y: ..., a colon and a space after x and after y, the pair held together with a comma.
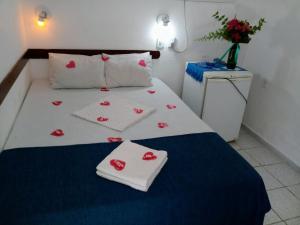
x: 274, y: 103
x: 285, y: 35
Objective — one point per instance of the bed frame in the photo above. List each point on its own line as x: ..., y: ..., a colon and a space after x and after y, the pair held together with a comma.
x: 12, y: 76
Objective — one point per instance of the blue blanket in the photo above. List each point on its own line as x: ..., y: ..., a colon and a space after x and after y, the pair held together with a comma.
x: 204, y: 182
x: 196, y: 70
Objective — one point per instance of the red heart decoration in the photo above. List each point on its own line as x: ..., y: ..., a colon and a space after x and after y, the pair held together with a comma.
x: 57, y: 103
x: 58, y: 133
x: 118, y: 164
x: 71, y: 64
x: 149, y: 156
x: 142, y: 63
x: 169, y: 106
x: 114, y: 139
x: 162, y: 125
x: 102, y: 119
x: 151, y: 91
x: 138, y: 111
x: 104, y: 89
x: 105, y: 103
x: 104, y: 58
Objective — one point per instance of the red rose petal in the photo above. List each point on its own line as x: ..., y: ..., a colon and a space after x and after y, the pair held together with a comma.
x: 151, y: 91
x: 58, y: 133
x: 105, y: 103
x: 149, y: 156
x: 104, y: 89
x: 57, y: 103
x: 104, y: 58
x: 102, y: 119
x: 169, y: 106
x: 118, y: 164
x: 142, y: 63
x: 71, y: 64
x: 138, y: 110
x: 114, y: 139
x: 162, y: 125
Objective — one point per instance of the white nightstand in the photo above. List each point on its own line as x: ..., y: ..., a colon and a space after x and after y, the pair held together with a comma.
x: 219, y: 100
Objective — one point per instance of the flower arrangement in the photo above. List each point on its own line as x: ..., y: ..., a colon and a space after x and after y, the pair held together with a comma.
x: 236, y: 31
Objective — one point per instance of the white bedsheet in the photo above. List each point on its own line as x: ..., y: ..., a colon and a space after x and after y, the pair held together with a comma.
x: 39, y: 117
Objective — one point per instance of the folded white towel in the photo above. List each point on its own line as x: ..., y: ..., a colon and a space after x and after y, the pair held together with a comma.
x: 114, y: 112
x: 133, y: 165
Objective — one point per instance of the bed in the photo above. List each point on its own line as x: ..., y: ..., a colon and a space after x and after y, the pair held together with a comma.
x: 52, y: 180
x: 39, y: 117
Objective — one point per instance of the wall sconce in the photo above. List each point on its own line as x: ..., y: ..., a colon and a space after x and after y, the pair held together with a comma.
x: 42, y: 18
x: 164, y: 32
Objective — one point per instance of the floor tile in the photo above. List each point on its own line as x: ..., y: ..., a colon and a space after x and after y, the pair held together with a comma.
x: 271, y: 217
x: 246, y: 141
x: 284, y: 203
x: 249, y: 159
x: 285, y: 174
x: 296, y: 190
x: 269, y: 180
x: 295, y: 221
x: 264, y: 156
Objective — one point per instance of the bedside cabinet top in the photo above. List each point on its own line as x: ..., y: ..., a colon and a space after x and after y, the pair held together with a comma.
x: 198, y: 70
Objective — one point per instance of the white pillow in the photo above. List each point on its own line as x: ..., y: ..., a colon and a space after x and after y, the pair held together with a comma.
x: 128, y: 70
x: 76, y: 71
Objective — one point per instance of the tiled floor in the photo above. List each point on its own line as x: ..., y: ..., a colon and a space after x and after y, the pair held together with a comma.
x: 282, y: 181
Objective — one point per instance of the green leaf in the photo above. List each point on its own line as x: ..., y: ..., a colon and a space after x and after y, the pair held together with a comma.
x: 215, y: 14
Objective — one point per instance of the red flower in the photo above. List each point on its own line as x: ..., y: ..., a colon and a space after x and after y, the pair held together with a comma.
x: 239, y: 28
x: 232, y: 24
x: 247, y: 27
x: 243, y: 27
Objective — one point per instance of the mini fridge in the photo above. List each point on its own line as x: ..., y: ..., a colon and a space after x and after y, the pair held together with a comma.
x: 219, y: 100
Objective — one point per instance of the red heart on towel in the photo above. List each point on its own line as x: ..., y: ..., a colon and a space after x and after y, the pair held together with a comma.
x: 142, y: 63
x: 149, y: 156
x: 118, y: 164
x: 162, y: 125
x: 138, y: 111
x: 151, y: 91
x: 58, y: 133
x: 57, y: 103
x: 104, y: 89
x: 104, y: 58
x: 114, y: 139
x: 71, y: 64
x: 169, y: 106
x: 105, y: 103
x: 102, y: 119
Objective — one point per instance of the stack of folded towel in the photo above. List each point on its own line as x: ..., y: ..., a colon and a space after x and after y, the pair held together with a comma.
x: 133, y: 165
x: 115, y: 112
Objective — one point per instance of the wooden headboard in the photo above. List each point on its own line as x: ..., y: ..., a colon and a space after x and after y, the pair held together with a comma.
x: 12, y: 76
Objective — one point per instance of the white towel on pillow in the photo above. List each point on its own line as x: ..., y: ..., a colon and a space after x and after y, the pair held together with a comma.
x: 115, y: 112
x: 137, y: 172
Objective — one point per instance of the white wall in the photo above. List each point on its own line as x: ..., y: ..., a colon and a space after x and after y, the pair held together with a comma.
x: 12, y: 38
x: 125, y: 24
x: 274, y: 57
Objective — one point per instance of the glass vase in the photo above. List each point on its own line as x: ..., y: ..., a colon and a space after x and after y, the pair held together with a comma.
x: 232, y: 58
